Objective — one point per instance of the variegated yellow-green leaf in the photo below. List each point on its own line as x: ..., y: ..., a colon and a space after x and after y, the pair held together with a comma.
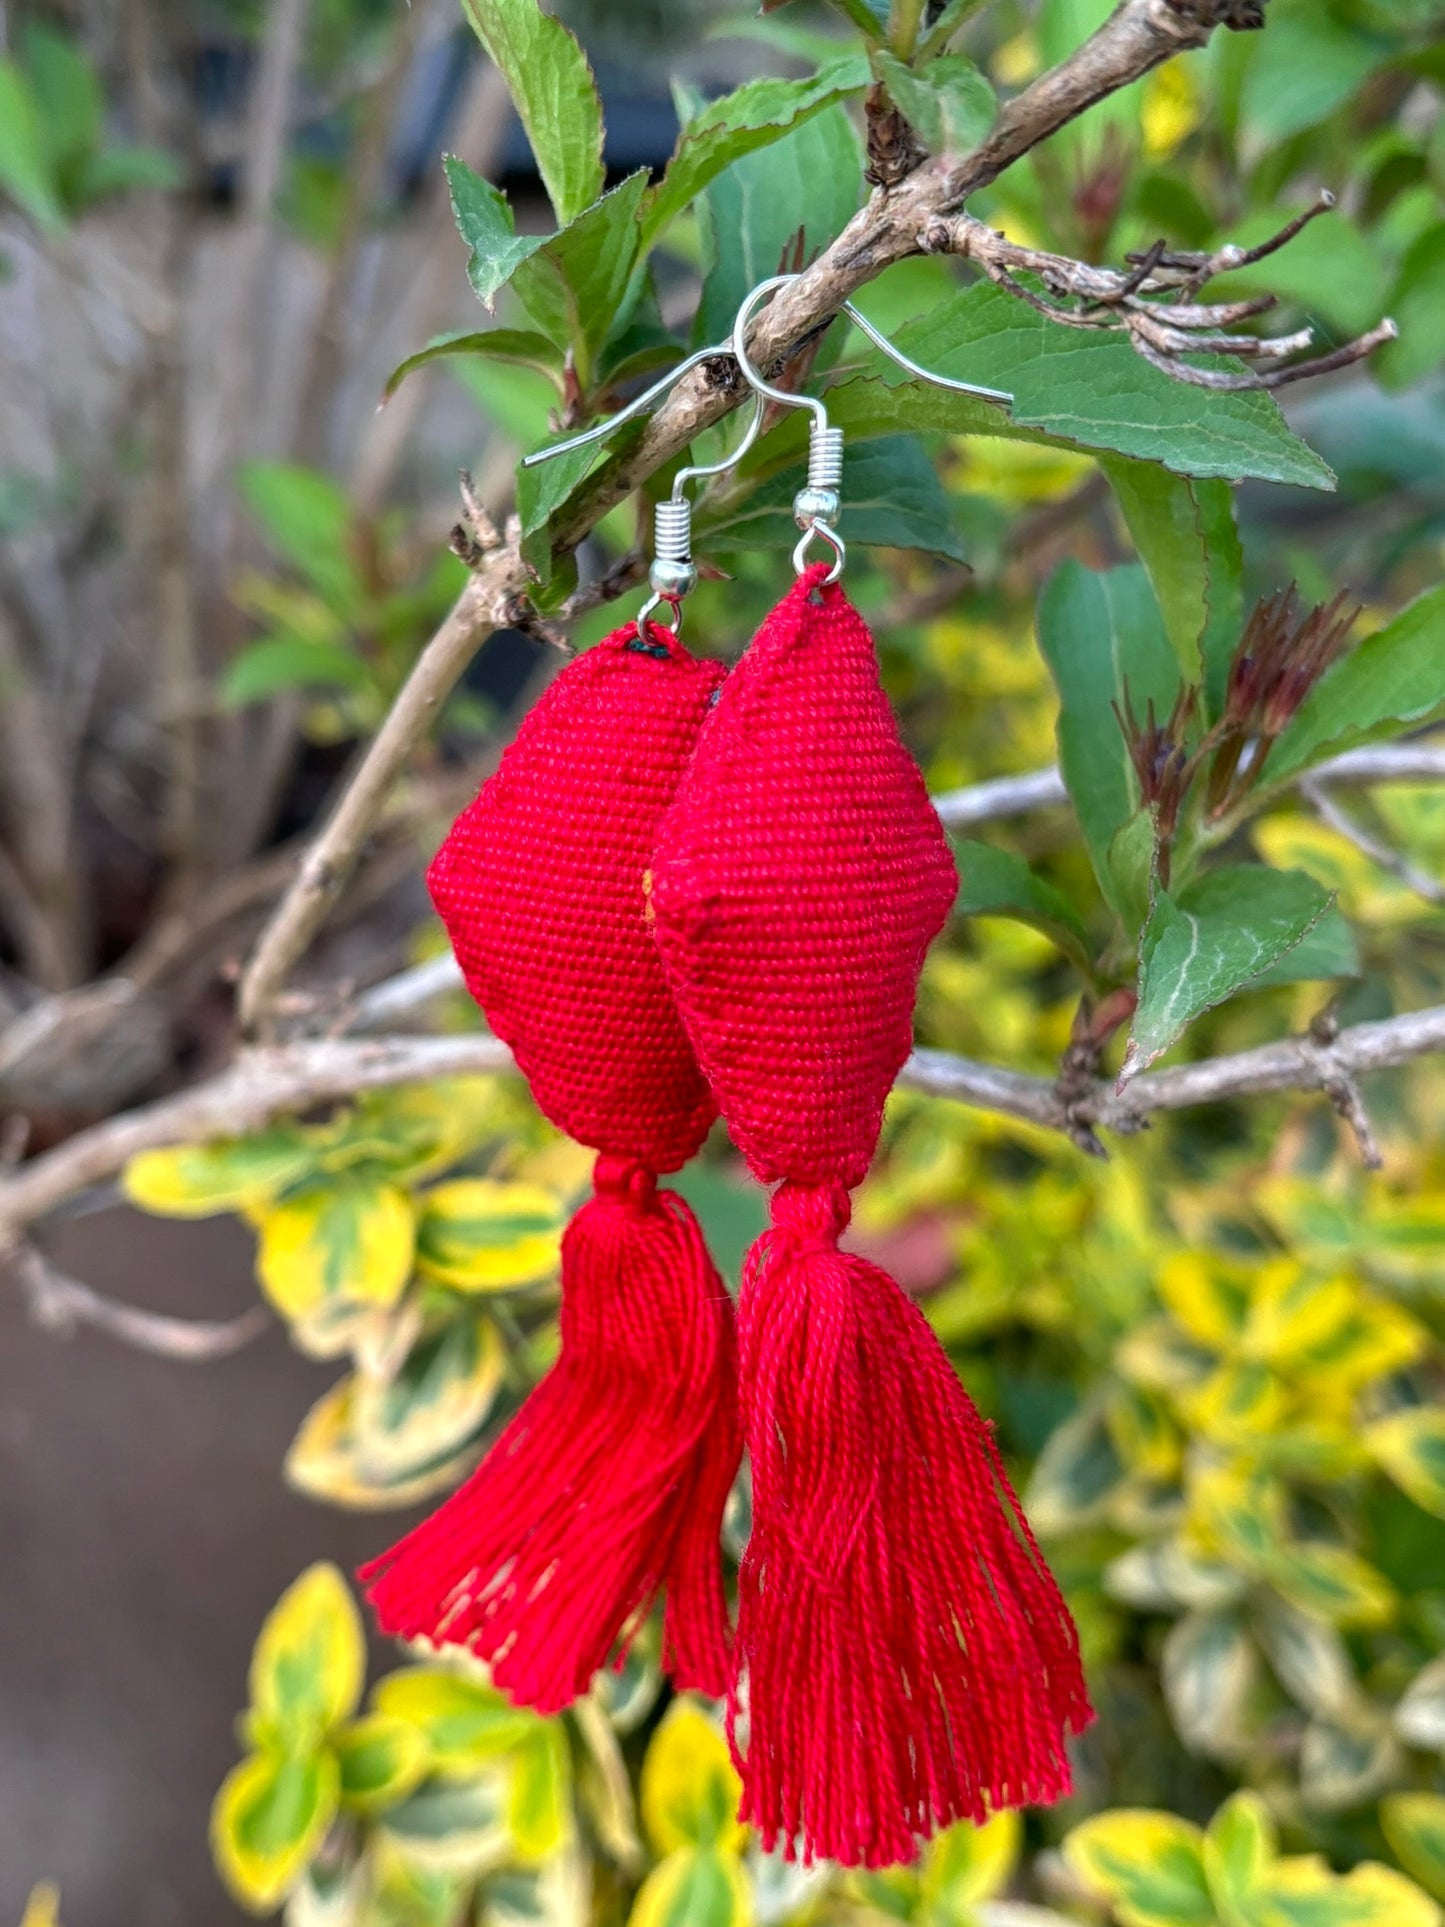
x: 1309, y: 1658
x: 478, y: 1235
x: 343, y: 1240
x: 309, y: 1662
x: 1411, y: 1447
x: 689, y: 1789
x: 539, y: 1792
x: 1238, y: 1516
x: 1332, y: 1581
x: 1240, y: 1844
x: 1238, y: 1404
x: 42, y: 1909
x: 410, y: 1133
x: 1414, y: 1825
x: 1302, y: 1892
x: 1162, y: 1355
x: 466, y: 1724
x: 1169, y: 1574
x: 371, y: 1444
x: 452, y: 1826
x: 269, y: 1818
x: 406, y: 1890
x: 1149, y: 1866
x: 1077, y: 1476
x: 1344, y: 1766
x: 1293, y: 1315
x: 197, y: 1180
x: 381, y: 1760
x: 1206, y: 1297
x: 1210, y: 1666
x: 556, y: 1894
x: 694, y: 1887
x: 968, y: 1863
x: 1376, y: 1339
x: 604, y: 1785
x: 1144, y: 1435
x: 1420, y: 1715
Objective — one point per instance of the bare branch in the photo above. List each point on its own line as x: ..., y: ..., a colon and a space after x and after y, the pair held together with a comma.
x: 1126, y: 301
x: 266, y: 1082
x: 1316, y: 792
x: 60, y: 1303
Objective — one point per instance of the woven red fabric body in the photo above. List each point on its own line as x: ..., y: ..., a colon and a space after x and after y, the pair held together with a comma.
x: 611, y: 1480
x: 904, y: 1656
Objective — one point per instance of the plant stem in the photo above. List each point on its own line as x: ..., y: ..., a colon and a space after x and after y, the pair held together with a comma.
x: 904, y: 25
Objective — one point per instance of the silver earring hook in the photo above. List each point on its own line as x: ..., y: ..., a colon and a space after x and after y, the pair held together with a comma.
x: 817, y: 506
x: 673, y: 573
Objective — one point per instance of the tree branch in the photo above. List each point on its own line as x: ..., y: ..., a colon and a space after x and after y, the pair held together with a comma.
x: 59, y: 1303
x: 268, y: 1081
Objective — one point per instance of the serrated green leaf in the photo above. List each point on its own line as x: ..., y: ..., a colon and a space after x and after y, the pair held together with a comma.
x: 1183, y: 529
x: 501, y: 344
x: 547, y: 487
x: 1327, y: 949
x: 574, y: 286
x: 997, y: 883
x: 486, y: 223
x: 1394, y: 680
x: 892, y: 499
x: 755, y: 115
x: 949, y: 103
x: 1215, y: 937
x: 552, y: 89
x: 810, y: 181
x: 1099, y: 633
x: 268, y: 1820
x: 1087, y: 390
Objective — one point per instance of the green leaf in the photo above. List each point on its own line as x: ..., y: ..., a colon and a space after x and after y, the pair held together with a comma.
x: 1308, y: 1657
x: 756, y: 115
x: 1307, y: 65
x: 502, y: 344
x: 1209, y: 1671
x: 949, y: 104
x: 268, y: 1820
x: 466, y: 1725
x: 1217, y: 936
x: 811, y: 182
x: 1417, y: 303
x: 689, y: 1791
x: 1394, y: 680
x: 1077, y: 1476
x: 309, y: 1661
x: 1410, y: 1445
x: 1150, y: 1865
x: 1327, y: 949
x: 381, y: 1760
x: 574, y: 287
x: 307, y: 519
x: 115, y: 170
x: 545, y: 488
x: 1183, y: 529
x: 447, y: 1828
x: 69, y: 105
x: 1087, y: 390
x: 1302, y: 1891
x: 539, y: 1790
x: 1414, y: 1825
x: 551, y: 86
x: 25, y: 171
x: 486, y: 223
x: 1331, y: 1581
x: 892, y: 499
x: 1099, y: 633
x: 997, y: 883
x: 277, y: 663
x: 1343, y: 1766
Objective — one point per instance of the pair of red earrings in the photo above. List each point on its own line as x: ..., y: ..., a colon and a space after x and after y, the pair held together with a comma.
x: 687, y: 892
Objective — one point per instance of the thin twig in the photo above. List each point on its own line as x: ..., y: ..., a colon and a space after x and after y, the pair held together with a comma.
x: 1315, y: 790
x: 60, y: 1303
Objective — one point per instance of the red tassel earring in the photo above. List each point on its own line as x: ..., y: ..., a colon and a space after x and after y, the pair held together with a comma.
x: 904, y: 1656
x: 609, y: 1484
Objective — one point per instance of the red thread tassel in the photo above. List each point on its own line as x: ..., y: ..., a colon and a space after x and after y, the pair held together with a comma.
x: 909, y: 1660
x: 610, y: 1481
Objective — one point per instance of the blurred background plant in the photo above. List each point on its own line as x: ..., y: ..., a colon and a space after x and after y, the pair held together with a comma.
x: 1216, y: 1356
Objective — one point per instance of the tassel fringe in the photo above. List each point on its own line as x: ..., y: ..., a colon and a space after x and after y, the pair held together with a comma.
x: 609, y: 1483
